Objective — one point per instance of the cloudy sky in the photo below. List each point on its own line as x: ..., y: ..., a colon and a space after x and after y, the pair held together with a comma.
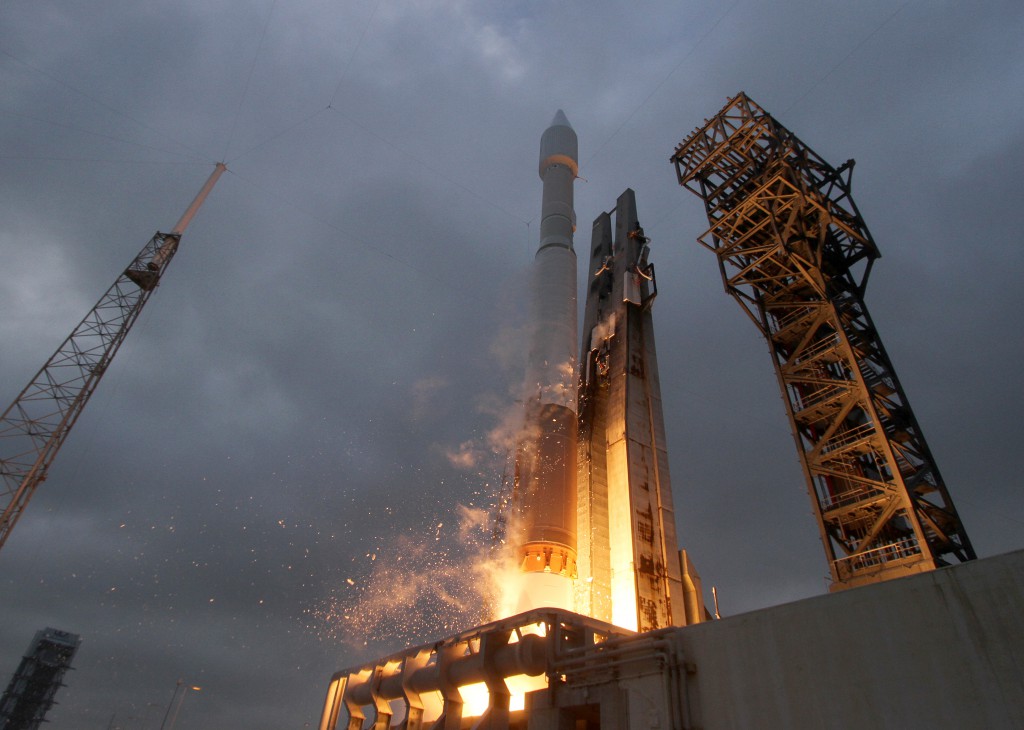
x: 304, y: 412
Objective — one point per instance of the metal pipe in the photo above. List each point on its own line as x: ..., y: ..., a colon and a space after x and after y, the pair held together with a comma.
x: 527, y: 656
x: 483, y: 654
x: 200, y: 198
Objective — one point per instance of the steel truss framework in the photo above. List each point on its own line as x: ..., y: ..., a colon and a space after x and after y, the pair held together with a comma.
x: 794, y: 251
x: 31, y: 691
x: 35, y: 425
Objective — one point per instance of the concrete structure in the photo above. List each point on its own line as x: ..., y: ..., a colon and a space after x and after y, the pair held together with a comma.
x: 545, y: 495
x: 948, y: 654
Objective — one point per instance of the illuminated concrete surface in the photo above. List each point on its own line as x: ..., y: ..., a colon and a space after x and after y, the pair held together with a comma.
x: 950, y: 654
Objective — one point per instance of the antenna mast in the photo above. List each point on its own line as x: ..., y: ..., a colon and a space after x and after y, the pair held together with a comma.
x: 35, y: 425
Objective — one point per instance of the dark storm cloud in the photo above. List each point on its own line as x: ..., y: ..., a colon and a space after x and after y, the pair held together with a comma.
x: 317, y: 376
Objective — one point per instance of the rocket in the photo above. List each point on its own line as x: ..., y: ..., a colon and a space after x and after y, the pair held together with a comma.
x: 546, y: 456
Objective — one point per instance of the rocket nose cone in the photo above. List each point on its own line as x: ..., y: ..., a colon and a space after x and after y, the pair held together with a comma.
x: 560, y: 120
x: 558, y: 145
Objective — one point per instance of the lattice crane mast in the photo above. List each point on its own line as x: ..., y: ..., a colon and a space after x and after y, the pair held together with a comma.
x: 794, y: 251
x: 35, y: 425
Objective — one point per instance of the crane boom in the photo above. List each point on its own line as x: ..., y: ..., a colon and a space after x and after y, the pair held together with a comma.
x: 35, y: 425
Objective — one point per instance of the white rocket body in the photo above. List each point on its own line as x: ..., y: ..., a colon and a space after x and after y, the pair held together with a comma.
x: 546, y: 463
x: 552, y: 360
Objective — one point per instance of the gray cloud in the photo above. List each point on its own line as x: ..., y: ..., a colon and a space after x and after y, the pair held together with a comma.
x: 341, y: 316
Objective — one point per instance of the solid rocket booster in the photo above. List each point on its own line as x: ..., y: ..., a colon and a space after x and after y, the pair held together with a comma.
x: 547, y: 453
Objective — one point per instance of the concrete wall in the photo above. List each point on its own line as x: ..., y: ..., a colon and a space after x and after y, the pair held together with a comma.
x: 939, y: 650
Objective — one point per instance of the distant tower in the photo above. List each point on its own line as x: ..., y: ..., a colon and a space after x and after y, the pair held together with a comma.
x: 795, y: 253
x: 35, y: 425
x: 630, y: 569
x: 29, y: 696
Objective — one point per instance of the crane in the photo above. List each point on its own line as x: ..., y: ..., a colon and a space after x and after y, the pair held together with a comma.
x: 36, y: 424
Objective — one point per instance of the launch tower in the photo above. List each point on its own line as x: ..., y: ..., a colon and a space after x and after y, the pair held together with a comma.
x: 795, y: 253
x: 29, y: 696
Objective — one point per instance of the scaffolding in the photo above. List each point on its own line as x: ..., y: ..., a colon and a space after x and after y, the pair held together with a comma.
x: 795, y: 253
x: 29, y: 696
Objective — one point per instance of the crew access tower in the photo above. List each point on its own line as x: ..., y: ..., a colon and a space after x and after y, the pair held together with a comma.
x: 795, y: 253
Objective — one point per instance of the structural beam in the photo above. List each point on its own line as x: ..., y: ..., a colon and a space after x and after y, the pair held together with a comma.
x: 795, y: 253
